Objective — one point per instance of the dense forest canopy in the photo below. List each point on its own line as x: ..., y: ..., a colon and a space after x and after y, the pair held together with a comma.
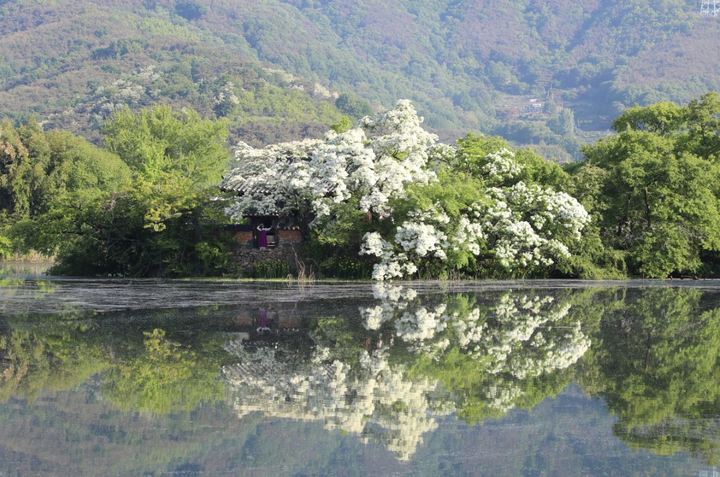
x: 552, y: 74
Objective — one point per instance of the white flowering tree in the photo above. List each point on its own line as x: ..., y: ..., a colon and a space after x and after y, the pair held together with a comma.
x: 411, y: 204
x: 487, y: 223
x: 372, y: 163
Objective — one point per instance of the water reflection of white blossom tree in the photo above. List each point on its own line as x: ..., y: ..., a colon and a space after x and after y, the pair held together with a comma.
x: 496, y: 348
x: 412, y: 360
x: 373, y: 399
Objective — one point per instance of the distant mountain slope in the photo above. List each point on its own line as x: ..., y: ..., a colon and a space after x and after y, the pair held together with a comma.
x: 517, y: 68
x: 72, y: 63
x: 532, y: 70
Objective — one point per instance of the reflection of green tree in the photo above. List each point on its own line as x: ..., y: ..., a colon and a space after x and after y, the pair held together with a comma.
x: 165, y: 377
x: 469, y: 384
x: 137, y: 371
x: 55, y: 357
x: 699, y: 436
x: 656, y: 364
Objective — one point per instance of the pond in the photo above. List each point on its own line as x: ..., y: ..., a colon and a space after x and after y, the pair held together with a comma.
x: 121, y: 377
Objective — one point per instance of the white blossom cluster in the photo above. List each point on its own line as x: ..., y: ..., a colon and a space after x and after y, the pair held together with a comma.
x: 392, y: 264
x: 392, y: 299
x: 374, y: 162
x: 424, y: 235
x: 500, y: 166
x: 413, y: 323
x: 226, y: 95
x: 528, y: 225
x: 256, y: 172
x: 532, y: 337
x: 423, y: 239
x: 373, y: 400
x: 421, y: 324
x: 524, y: 227
x: 469, y: 235
x: 421, y: 234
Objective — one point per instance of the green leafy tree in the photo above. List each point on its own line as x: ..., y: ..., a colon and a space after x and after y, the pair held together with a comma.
x: 39, y: 172
x: 703, y: 127
x: 659, y: 118
x: 176, y: 157
x: 5, y: 247
x: 353, y: 106
x: 164, y: 219
x: 653, y: 187
x: 22, y: 170
x: 473, y: 149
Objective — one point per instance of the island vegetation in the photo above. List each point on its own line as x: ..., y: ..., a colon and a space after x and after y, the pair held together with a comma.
x: 382, y: 197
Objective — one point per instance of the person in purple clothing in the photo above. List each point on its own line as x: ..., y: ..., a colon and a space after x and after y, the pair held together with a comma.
x: 263, y: 321
x: 262, y: 235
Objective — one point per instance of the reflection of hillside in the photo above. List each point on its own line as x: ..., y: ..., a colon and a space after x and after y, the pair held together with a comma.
x: 77, y: 433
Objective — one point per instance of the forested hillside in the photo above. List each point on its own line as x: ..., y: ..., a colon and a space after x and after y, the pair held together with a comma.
x: 72, y: 64
x: 551, y: 73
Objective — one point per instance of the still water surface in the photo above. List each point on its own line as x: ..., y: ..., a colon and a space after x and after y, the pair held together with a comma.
x: 498, y: 378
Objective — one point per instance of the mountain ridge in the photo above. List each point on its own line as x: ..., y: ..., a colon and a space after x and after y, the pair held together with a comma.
x: 550, y: 74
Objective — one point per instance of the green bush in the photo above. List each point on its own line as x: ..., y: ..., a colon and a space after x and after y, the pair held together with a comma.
x: 5, y: 247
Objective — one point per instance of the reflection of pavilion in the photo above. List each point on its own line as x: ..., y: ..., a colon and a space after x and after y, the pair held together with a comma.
x: 264, y: 327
